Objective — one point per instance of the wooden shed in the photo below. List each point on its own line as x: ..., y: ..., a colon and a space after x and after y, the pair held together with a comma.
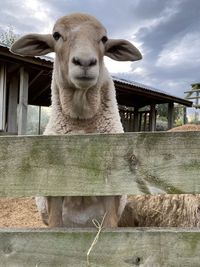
x: 26, y: 81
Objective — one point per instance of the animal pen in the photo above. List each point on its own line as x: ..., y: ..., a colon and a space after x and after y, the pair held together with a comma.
x: 100, y: 164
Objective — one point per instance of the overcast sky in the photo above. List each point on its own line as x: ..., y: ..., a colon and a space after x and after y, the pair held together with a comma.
x: 167, y: 32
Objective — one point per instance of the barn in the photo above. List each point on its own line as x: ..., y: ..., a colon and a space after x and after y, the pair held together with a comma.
x: 26, y: 81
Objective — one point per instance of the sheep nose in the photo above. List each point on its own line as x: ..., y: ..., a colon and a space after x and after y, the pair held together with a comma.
x: 90, y: 62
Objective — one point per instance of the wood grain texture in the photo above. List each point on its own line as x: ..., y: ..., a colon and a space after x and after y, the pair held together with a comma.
x: 12, y: 105
x: 2, y: 96
x: 130, y: 163
x: 122, y: 247
x: 23, y: 101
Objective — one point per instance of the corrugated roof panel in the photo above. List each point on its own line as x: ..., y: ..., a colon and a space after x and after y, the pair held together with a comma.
x: 139, y: 85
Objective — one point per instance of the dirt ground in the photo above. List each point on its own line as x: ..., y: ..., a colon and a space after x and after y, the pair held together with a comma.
x: 19, y: 212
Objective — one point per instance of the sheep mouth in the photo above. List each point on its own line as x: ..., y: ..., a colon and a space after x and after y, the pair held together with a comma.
x: 85, y: 78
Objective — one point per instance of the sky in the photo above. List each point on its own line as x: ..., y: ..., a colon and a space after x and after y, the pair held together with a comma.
x: 167, y: 32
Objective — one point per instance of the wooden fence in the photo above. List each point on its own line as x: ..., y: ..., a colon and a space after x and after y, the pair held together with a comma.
x: 130, y: 163
x: 128, y: 118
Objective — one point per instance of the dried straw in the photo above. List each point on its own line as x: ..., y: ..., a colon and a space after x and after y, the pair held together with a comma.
x: 99, y: 226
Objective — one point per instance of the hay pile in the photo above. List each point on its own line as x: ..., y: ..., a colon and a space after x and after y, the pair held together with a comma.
x: 19, y: 212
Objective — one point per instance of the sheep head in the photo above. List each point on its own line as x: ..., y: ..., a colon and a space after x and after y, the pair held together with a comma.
x: 80, y: 42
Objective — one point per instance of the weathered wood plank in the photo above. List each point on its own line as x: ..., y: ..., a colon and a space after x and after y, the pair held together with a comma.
x: 152, y: 119
x: 128, y: 163
x: 12, y: 105
x: 170, y: 115
x: 2, y: 96
x: 122, y: 247
x: 23, y: 101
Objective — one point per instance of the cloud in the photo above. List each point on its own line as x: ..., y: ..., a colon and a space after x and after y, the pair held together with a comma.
x: 166, y: 32
x: 178, y: 52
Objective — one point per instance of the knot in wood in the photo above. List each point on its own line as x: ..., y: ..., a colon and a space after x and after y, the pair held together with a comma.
x: 7, y: 249
x: 135, y: 261
x: 133, y: 161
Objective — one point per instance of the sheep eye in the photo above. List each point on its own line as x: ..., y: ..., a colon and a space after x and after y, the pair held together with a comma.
x: 56, y: 36
x: 104, y: 39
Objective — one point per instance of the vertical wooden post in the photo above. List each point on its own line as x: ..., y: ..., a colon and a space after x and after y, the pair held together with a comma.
x: 121, y: 112
x: 196, y: 114
x: 2, y: 97
x: 12, y: 105
x: 23, y: 101
x: 145, y: 121
x: 152, y: 118
x: 39, y: 123
x: 136, y: 120
x: 140, y: 121
x: 184, y: 115
x: 170, y: 115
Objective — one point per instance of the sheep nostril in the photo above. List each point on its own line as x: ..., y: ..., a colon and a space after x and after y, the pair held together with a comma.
x: 92, y: 62
x: 76, y: 61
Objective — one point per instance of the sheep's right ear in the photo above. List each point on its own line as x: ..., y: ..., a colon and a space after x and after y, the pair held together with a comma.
x: 33, y: 45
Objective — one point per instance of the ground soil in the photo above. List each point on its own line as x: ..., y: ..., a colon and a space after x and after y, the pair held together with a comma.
x: 19, y: 212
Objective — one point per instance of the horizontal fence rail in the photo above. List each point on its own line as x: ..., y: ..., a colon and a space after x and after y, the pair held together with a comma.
x: 130, y: 163
x: 123, y: 247
x: 107, y: 164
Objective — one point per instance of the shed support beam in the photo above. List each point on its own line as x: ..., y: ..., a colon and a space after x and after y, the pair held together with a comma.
x: 136, y: 120
x: 152, y: 118
x: 2, y: 97
x: 23, y: 102
x: 170, y: 115
x: 12, y: 105
x: 184, y: 115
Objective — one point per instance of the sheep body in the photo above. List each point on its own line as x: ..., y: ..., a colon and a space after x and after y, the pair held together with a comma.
x: 162, y: 211
x: 83, y: 101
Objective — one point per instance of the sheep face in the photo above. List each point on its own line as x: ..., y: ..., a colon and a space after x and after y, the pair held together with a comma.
x: 80, y: 43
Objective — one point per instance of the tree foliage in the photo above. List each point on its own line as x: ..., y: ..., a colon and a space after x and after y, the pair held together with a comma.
x: 8, y: 37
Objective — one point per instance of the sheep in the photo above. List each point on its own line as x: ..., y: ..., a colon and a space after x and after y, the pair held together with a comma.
x: 83, y: 101
x: 163, y: 210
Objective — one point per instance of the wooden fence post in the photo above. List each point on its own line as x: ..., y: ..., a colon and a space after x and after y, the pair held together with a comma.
x: 2, y: 97
x: 12, y: 105
x: 23, y: 101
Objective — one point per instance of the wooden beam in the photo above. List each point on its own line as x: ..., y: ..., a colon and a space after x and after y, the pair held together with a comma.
x: 35, y: 78
x: 136, y: 120
x: 129, y: 163
x: 23, y: 101
x: 184, y: 115
x: 194, y: 97
x: 152, y: 118
x: 117, y: 247
x: 12, y: 105
x: 192, y: 91
x: 2, y: 97
x: 170, y: 115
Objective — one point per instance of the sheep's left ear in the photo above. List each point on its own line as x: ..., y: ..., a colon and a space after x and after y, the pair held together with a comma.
x: 122, y: 50
x: 33, y: 45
